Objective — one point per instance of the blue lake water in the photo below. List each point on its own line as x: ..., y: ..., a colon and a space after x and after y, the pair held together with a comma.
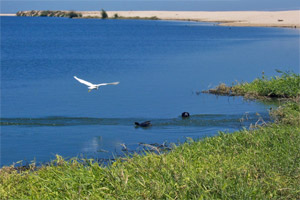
x: 161, y: 66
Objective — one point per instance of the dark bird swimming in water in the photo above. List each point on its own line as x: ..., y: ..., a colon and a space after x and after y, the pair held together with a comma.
x: 185, y: 114
x: 143, y: 124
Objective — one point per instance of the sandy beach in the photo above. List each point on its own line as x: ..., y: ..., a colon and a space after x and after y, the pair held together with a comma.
x: 224, y: 18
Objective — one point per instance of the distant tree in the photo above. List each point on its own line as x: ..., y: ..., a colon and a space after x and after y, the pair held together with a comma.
x: 116, y: 16
x: 104, y: 14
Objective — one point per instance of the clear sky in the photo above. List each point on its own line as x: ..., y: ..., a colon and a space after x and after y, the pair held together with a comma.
x: 12, y: 6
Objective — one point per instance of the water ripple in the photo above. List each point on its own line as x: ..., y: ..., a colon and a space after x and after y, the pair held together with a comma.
x: 193, y: 120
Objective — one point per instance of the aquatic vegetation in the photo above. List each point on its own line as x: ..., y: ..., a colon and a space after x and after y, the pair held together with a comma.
x: 250, y: 164
x: 287, y: 85
x: 288, y: 113
x: 221, y: 89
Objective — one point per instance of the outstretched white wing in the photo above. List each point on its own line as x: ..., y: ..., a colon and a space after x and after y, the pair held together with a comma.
x: 113, y: 83
x: 84, y: 82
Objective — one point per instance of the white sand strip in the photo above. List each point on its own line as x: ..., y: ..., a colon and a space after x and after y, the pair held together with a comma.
x: 7, y: 15
x: 228, y: 18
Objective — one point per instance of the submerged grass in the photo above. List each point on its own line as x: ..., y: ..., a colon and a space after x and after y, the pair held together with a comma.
x: 287, y: 85
x: 250, y: 164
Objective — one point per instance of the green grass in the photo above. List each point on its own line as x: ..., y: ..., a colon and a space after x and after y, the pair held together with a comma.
x: 250, y: 164
x: 287, y: 85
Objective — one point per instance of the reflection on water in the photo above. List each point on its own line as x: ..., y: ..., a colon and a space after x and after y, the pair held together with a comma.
x: 93, y: 145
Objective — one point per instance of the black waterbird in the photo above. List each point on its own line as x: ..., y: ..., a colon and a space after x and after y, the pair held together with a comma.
x: 143, y: 124
x: 185, y: 114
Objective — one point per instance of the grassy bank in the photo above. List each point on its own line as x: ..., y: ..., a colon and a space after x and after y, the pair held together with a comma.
x: 284, y: 86
x: 249, y: 164
x: 262, y: 163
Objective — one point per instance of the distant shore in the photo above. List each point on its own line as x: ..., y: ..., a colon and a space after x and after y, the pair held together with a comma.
x: 7, y: 15
x: 289, y: 19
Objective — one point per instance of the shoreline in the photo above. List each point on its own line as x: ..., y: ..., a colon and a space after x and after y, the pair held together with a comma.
x: 289, y: 19
x: 227, y: 159
x: 283, y: 19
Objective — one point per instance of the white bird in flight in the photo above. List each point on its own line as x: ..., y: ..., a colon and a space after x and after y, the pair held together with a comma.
x: 92, y: 86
